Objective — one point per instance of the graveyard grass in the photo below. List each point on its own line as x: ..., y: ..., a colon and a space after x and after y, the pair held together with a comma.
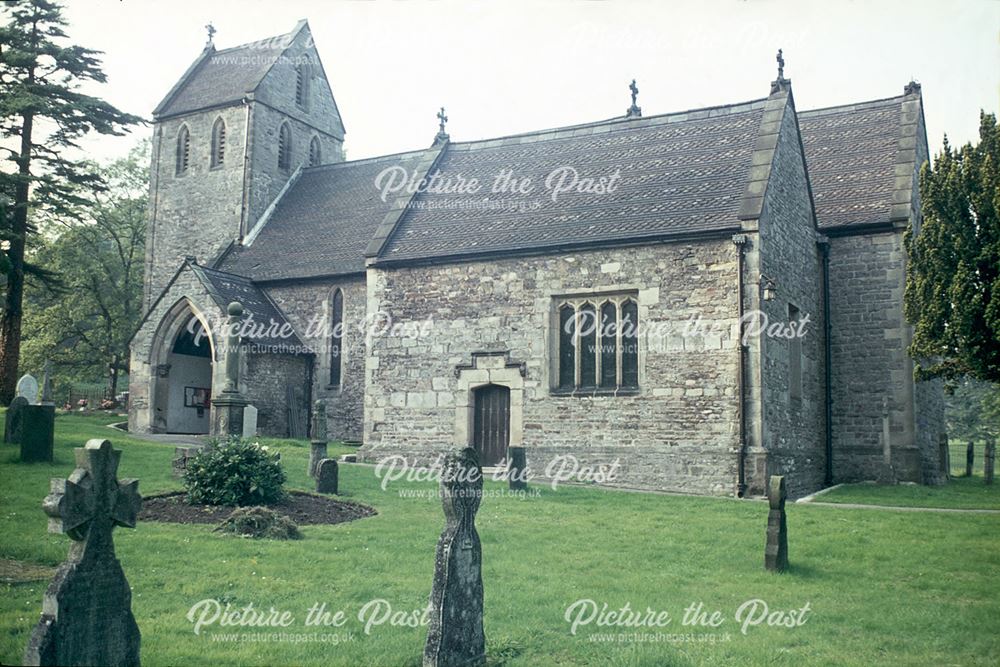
x: 884, y: 587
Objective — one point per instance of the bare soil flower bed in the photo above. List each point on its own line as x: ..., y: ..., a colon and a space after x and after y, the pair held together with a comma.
x: 305, y: 509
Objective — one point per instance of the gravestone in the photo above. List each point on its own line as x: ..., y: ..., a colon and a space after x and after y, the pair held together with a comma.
x: 317, y: 444
x: 14, y: 420
x: 38, y: 423
x: 182, y: 455
x: 455, y: 635
x: 250, y: 421
x: 944, y: 451
x: 27, y: 386
x: 776, y: 551
x: 87, y: 609
x: 988, y: 460
x: 326, y: 476
x: 970, y: 458
x: 517, y: 469
x: 46, y: 385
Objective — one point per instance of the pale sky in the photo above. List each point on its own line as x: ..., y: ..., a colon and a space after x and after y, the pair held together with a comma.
x: 503, y: 68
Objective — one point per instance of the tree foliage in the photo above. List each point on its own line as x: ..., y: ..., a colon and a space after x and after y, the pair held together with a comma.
x: 42, y: 114
x: 83, y: 323
x: 953, y: 278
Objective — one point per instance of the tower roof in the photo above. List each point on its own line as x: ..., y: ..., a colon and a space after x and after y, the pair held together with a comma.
x: 218, y: 78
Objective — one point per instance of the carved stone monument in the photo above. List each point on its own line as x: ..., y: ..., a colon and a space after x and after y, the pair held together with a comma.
x: 887, y: 474
x: 227, y: 407
x: 517, y: 470
x: 27, y: 386
x: 87, y: 610
x: 327, y: 473
x: 14, y: 420
x: 970, y: 458
x: 988, y: 461
x: 38, y: 423
x: 455, y: 635
x: 317, y: 444
x: 182, y: 455
x: 776, y: 551
x: 250, y: 421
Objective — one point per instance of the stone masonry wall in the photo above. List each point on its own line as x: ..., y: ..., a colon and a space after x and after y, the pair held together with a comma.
x: 793, y: 426
x: 679, y: 433
x: 275, y: 104
x: 265, y: 383
x: 869, y: 356
x: 197, y: 213
x: 303, y: 302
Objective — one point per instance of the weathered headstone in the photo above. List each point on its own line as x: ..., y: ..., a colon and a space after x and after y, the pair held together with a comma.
x: 886, y: 475
x: 14, y: 419
x: 27, y: 386
x: 250, y: 421
x: 517, y: 469
x: 317, y: 444
x: 182, y: 455
x: 988, y: 460
x: 944, y: 452
x: 776, y: 551
x: 326, y: 476
x: 46, y: 385
x: 455, y: 635
x: 38, y: 424
x: 87, y: 610
x: 970, y: 458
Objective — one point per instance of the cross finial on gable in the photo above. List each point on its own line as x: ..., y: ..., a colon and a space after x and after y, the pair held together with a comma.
x: 781, y: 83
x: 211, y: 33
x: 781, y: 66
x: 633, y: 111
x: 442, y: 136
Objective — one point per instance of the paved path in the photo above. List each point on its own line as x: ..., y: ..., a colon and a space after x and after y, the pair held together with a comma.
x: 945, y: 510
x: 167, y: 438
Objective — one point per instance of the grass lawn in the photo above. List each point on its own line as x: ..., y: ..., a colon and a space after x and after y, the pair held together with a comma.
x: 883, y: 587
x: 959, y: 493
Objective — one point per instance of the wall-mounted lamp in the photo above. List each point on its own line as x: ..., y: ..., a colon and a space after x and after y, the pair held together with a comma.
x: 768, y: 288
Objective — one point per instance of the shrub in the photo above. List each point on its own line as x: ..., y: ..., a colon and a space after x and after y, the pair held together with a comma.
x: 260, y: 522
x: 234, y: 472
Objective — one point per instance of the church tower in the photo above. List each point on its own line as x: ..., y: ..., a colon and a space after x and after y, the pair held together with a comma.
x: 228, y: 138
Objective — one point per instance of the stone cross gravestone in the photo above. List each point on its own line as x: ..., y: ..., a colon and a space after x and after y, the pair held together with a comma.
x: 27, y: 386
x: 250, y: 421
x: 14, y: 420
x: 776, y: 551
x: 326, y: 476
x: 970, y: 458
x: 87, y: 610
x: 988, y: 461
x: 38, y: 423
x: 317, y: 444
x: 455, y: 635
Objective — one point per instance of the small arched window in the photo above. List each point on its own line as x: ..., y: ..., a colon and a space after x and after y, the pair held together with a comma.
x: 218, y: 143
x: 284, y: 147
x: 183, y: 150
x: 302, y: 79
x: 336, y: 336
x: 314, y: 152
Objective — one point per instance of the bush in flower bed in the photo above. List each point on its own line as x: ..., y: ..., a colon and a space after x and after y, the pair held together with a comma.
x: 234, y: 471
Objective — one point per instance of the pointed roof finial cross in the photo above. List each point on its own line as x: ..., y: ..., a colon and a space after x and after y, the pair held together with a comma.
x: 211, y: 33
x: 781, y: 66
x: 442, y: 136
x: 633, y: 111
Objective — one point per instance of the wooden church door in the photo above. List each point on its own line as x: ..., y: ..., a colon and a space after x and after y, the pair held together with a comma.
x: 491, y: 423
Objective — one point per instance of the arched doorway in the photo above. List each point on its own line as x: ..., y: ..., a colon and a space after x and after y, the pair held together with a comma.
x: 491, y: 423
x: 181, y: 362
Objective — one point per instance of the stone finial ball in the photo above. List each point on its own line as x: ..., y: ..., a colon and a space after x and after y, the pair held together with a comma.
x: 236, y: 308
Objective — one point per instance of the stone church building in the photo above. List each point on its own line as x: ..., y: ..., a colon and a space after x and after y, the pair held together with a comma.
x: 706, y: 297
